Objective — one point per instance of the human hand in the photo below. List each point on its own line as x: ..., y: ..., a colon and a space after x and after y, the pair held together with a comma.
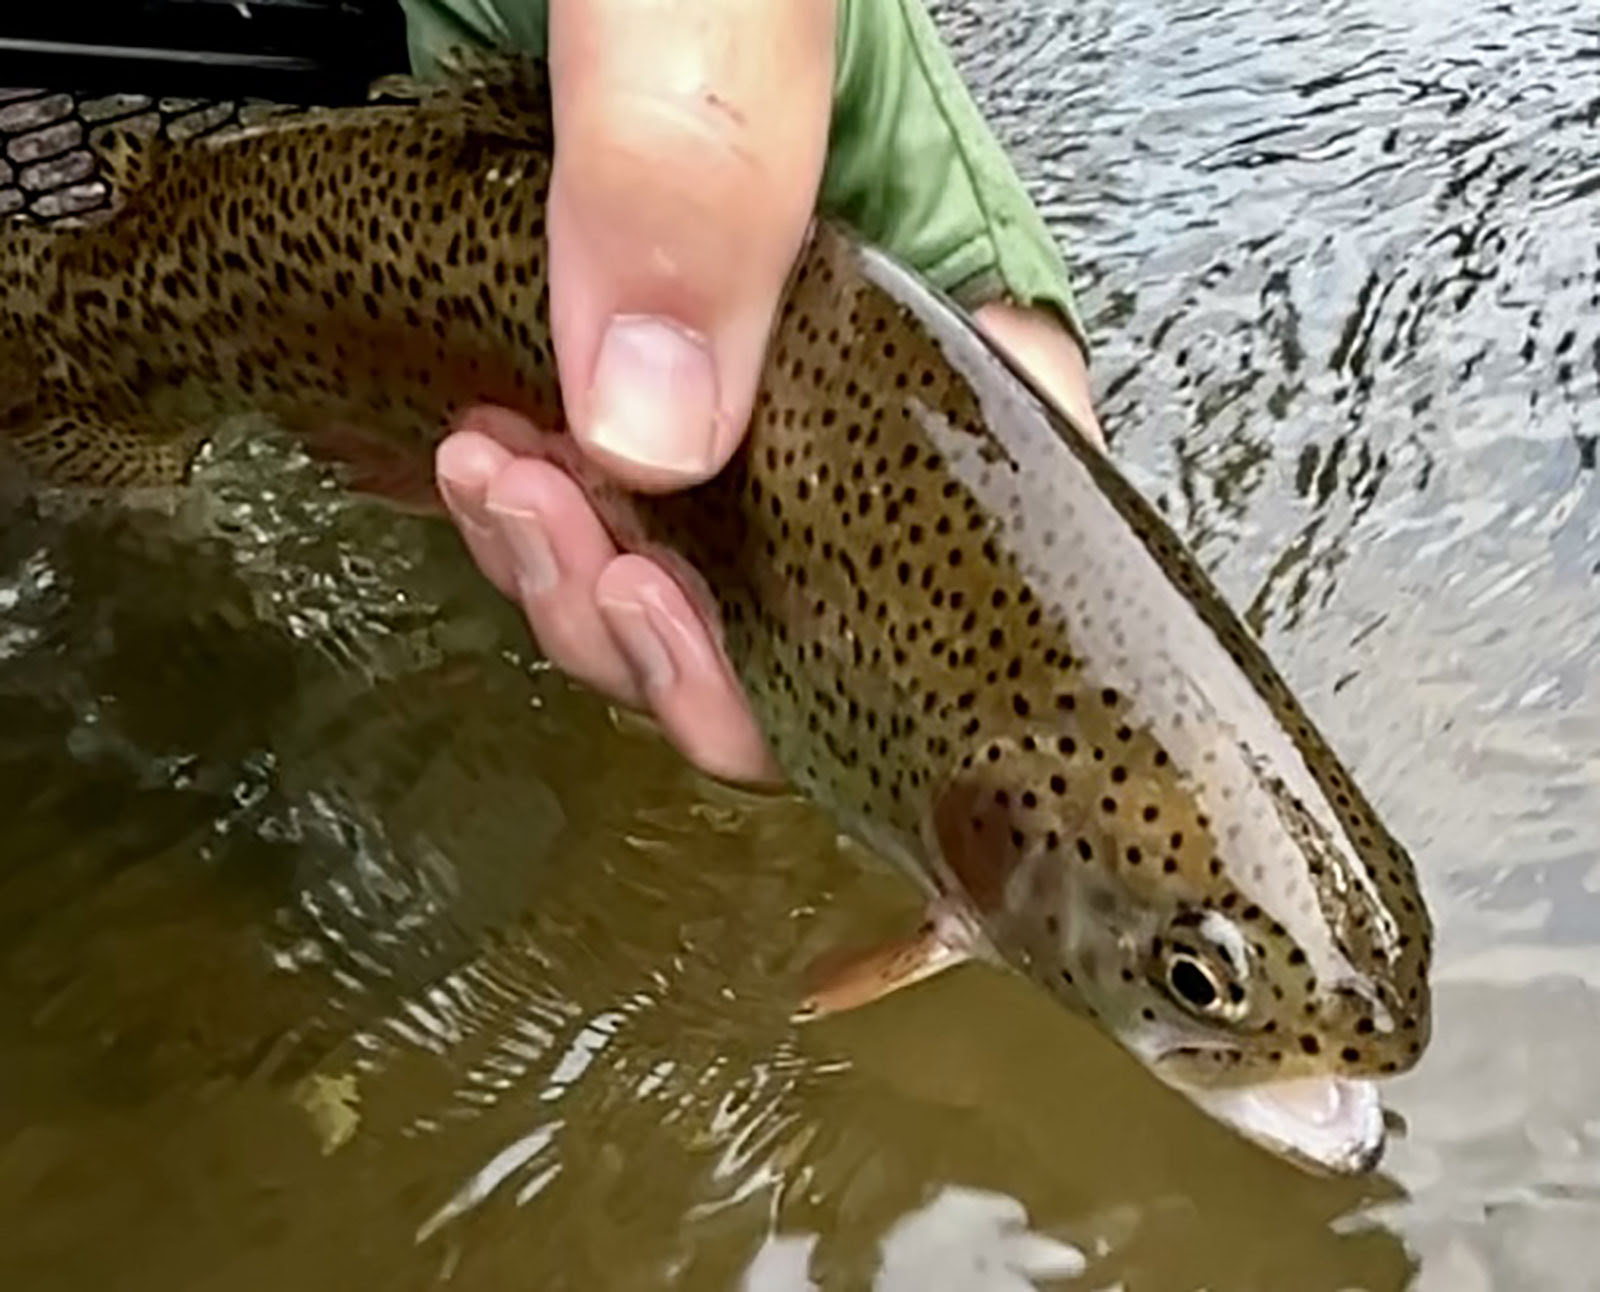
x: 690, y: 141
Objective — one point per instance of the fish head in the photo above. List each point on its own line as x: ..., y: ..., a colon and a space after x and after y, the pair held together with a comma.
x: 1257, y: 951
x: 1197, y: 995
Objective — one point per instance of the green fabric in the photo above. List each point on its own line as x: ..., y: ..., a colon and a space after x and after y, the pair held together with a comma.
x: 911, y: 163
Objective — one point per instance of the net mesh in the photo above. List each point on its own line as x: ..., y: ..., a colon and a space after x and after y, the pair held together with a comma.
x: 49, y: 169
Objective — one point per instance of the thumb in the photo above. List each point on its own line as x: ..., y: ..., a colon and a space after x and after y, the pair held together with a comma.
x: 690, y: 139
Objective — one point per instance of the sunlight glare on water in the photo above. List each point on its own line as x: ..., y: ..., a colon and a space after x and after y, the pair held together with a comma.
x: 342, y: 944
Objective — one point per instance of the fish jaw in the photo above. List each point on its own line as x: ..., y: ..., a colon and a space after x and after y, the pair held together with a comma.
x: 1325, y: 1124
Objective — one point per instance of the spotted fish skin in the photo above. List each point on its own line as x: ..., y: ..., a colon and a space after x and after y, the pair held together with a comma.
x: 349, y: 273
x: 963, y: 632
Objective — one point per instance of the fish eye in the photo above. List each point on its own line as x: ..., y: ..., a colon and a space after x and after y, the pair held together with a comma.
x: 1204, y: 982
x: 1193, y: 984
x: 1203, y: 965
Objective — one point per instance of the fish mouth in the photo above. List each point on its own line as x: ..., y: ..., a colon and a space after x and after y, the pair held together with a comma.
x: 1325, y: 1124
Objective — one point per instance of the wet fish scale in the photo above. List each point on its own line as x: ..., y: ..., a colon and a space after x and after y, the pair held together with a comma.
x: 285, y: 264
x: 962, y: 630
x: 935, y: 597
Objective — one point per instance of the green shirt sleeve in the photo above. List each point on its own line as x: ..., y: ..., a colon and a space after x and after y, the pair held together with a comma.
x: 911, y: 164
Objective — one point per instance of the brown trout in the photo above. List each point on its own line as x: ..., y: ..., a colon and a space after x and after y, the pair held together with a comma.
x: 964, y: 633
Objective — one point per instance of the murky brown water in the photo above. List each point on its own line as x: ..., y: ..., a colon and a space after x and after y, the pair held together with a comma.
x: 341, y: 945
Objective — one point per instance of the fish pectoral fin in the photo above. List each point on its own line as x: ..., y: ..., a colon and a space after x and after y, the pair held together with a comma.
x: 844, y: 983
x: 373, y: 464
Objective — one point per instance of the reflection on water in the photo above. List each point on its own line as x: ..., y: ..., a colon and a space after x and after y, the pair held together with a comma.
x: 342, y: 945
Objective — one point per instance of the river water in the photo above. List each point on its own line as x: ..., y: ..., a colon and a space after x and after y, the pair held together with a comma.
x: 342, y: 944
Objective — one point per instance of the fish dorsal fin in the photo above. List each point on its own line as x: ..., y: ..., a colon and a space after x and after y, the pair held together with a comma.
x: 493, y: 92
x: 398, y: 88
x: 129, y: 159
